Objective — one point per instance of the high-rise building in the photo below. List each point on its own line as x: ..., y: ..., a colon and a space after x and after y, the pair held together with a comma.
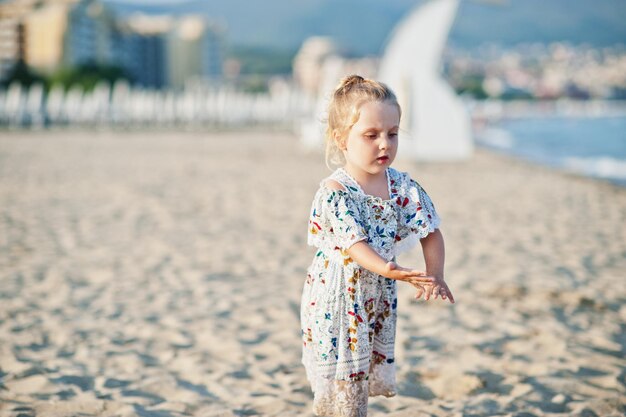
x: 11, y: 44
x: 146, y: 47
x: 69, y: 33
x: 155, y: 51
x: 12, y: 33
x: 171, y: 51
x: 89, y: 36
x: 213, y: 51
x: 194, y: 51
x: 45, y: 29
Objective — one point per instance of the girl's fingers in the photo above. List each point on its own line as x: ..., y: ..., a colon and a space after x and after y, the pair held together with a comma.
x: 436, y: 291
x: 450, y: 296
x: 420, y: 292
x: 446, y: 294
x: 429, y: 290
x: 444, y: 291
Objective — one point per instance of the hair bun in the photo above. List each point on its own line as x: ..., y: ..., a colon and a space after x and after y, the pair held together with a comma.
x: 348, y: 82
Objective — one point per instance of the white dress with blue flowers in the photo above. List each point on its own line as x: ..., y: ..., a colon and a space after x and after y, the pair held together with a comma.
x: 348, y: 313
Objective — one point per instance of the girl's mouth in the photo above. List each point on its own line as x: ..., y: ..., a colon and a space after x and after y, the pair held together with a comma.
x: 382, y: 159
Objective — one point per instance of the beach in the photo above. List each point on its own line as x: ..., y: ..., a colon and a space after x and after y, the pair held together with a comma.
x: 159, y: 274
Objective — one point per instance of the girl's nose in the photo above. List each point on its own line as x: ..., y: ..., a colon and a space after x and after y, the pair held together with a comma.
x: 384, y: 142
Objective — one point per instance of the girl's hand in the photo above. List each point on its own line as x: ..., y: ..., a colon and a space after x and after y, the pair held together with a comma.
x: 421, y: 289
x: 412, y: 276
x: 436, y: 289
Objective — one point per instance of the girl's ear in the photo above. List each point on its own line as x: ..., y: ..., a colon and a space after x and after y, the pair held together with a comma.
x: 339, y: 139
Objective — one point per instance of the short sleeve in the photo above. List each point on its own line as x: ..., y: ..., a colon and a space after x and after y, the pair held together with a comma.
x: 334, y: 220
x: 417, y: 216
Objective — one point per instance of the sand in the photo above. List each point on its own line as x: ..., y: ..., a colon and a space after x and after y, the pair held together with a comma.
x: 159, y: 274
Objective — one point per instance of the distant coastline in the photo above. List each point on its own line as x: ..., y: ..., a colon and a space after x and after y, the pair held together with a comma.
x: 584, y: 138
x: 490, y: 110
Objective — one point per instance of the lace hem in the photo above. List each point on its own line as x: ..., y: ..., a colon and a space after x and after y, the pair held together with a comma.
x: 382, y: 380
x: 432, y: 225
x: 337, y: 398
x: 335, y: 220
x: 340, y: 398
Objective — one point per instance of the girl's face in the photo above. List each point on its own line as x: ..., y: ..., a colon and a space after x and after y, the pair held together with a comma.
x: 372, y: 143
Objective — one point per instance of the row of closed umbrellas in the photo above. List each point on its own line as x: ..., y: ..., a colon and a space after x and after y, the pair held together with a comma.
x: 121, y: 104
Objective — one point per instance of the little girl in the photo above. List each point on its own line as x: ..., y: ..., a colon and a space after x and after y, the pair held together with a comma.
x: 362, y: 216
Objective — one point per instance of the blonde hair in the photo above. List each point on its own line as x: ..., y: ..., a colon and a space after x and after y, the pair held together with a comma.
x: 344, y: 110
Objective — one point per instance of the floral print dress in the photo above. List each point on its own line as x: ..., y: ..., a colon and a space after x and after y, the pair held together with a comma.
x: 348, y: 313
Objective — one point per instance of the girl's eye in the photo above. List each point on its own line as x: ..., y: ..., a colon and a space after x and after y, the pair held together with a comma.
x: 371, y: 136
x: 393, y: 135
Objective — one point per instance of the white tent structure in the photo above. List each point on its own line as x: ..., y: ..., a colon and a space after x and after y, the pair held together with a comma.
x: 435, y: 124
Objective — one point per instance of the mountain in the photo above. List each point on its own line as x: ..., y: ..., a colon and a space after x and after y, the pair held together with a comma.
x: 596, y: 22
x: 363, y: 26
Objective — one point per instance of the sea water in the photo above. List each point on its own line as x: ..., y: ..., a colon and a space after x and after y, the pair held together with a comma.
x: 591, y: 146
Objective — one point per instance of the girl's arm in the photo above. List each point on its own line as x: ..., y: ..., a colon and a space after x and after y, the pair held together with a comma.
x: 434, y: 257
x: 368, y: 258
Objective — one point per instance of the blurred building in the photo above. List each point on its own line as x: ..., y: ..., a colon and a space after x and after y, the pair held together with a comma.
x: 12, y: 36
x: 154, y: 51
x: 49, y: 34
x: 317, y: 69
x: 11, y: 45
x: 147, y: 44
x: 308, y: 63
x: 213, y: 51
x: 194, y: 51
x: 539, y: 71
x: 170, y: 51
x: 90, y: 34
x: 45, y: 29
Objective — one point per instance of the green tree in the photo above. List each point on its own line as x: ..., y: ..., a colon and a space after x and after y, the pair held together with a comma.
x: 87, y: 76
x: 472, y: 85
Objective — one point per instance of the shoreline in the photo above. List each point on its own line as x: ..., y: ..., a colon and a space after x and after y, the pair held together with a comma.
x: 620, y: 184
x: 491, y: 109
x: 479, y: 145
